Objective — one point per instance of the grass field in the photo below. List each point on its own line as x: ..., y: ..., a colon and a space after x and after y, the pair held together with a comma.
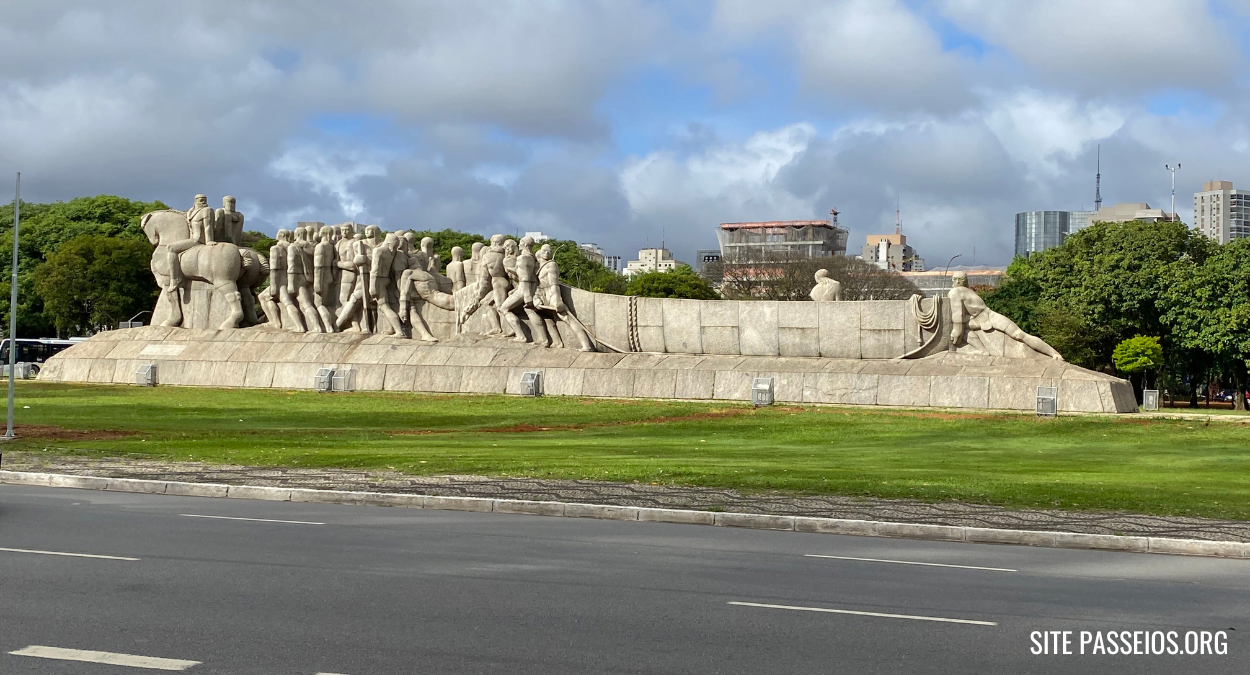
x: 1141, y: 465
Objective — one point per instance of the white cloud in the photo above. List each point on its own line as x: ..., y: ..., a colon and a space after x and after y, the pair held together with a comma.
x: 333, y: 174
x: 736, y: 177
x: 1110, y: 45
x: 1039, y: 130
x: 856, y: 52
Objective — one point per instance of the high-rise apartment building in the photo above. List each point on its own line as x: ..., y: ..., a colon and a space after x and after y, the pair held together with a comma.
x: 1222, y: 213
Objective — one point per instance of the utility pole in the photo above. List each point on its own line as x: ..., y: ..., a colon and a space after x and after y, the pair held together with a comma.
x: 17, y: 217
x: 1173, y: 169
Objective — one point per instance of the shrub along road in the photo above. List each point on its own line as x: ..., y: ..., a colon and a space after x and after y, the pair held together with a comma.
x: 1131, y: 463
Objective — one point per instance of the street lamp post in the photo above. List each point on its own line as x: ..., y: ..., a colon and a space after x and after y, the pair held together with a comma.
x: 17, y: 217
x: 1173, y: 169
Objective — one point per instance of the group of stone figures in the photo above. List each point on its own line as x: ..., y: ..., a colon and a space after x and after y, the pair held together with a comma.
x: 335, y: 278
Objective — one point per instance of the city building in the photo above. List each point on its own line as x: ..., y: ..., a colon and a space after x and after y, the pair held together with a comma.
x: 652, y: 260
x: 1222, y: 213
x: 1123, y: 213
x: 537, y: 236
x: 592, y: 252
x: 891, y: 252
x: 704, y: 256
x: 1037, y: 231
x: 612, y: 262
x: 779, y: 240
x: 937, y: 283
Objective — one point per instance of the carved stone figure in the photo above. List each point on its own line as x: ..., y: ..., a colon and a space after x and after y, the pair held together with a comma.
x: 325, y: 294
x: 254, y: 272
x: 199, y: 231
x: 473, y: 266
x: 970, y: 317
x: 827, y: 289
x: 182, y: 253
x: 521, y: 299
x: 381, y: 278
x: 228, y: 223
x: 299, y: 279
x: 456, y: 269
x: 285, y: 313
x: 371, y: 234
x: 550, y: 302
x: 351, y: 256
x: 493, y: 285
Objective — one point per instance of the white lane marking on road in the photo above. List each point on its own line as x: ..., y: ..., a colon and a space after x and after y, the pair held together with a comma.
x: 254, y: 520
x: 110, y: 658
x: 910, y: 562
x: 72, y: 555
x: 850, y: 611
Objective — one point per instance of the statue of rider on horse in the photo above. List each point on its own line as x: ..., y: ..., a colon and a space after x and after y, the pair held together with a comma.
x: 194, y: 246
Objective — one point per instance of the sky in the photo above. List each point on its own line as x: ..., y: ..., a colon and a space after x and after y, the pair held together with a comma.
x: 628, y: 123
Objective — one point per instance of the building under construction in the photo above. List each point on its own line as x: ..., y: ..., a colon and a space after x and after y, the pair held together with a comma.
x: 779, y: 240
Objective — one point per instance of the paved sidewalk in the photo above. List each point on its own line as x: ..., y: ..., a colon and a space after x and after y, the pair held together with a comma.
x: 642, y: 495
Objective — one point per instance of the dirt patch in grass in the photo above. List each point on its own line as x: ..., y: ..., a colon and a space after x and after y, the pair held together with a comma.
x: 51, y: 433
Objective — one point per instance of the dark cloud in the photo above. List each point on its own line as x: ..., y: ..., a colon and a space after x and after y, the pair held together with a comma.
x: 484, y: 115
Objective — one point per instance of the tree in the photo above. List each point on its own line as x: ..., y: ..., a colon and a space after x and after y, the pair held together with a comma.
x: 1107, y: 281
x: 785, y: 278
x: 579, y: 271
x: 1207, y: 309
x: 1137, y: 356
x: 44, y: 228
x: 680, y: 282
x: 258, y: 241
x: 445, y: 239
x: 92, y: 281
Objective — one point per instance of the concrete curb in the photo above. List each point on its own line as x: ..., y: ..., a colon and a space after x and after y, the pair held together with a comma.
x: 859, y: 528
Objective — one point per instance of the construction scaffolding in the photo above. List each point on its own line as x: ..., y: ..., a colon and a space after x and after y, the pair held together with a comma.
x: 781, y: 240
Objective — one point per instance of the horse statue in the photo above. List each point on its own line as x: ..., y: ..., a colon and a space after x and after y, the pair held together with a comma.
x: 218, y: 263
x: 255, y: 271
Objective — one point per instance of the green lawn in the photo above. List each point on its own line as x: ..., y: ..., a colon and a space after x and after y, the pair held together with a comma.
x: 1143, y: 465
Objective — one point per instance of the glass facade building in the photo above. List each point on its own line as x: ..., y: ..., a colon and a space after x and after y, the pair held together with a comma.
x: 1037, y: 231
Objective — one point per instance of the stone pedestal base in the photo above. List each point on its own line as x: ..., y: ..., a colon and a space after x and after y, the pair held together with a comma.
x: 262, y: 358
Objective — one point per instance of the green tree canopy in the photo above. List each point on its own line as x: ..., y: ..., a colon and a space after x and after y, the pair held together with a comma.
x: 93, y: 280
x: 1138, y: 355
x: 1101, y: 287
x: 1207, y: 306
x: 44, y: 228
x: 681, y: 282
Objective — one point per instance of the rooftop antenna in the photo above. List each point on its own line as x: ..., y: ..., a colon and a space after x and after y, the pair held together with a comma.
x: 1098, y: 181
x: 898, y: 220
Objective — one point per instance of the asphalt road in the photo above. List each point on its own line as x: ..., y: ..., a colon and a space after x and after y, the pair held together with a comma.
x: 356, y: 590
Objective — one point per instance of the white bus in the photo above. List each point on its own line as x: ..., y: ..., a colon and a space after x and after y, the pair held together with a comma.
x: 33, y: 351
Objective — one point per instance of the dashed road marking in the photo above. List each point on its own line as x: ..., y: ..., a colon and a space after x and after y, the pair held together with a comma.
x: 71, y: 555
x: 254, y: 520
x: 857, y: 613
x: 110, y: 658
x: 910, y: 562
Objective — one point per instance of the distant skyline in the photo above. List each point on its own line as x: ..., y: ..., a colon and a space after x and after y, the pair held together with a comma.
x: 623, y: 122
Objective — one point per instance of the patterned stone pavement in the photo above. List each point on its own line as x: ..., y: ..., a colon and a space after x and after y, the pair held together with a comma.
x: 638, y: 494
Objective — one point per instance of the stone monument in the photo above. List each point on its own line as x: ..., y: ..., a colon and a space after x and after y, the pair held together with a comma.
x: 504, y: 311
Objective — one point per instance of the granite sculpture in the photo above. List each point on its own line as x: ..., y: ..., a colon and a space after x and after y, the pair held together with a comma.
x: 408, y: 321
x: 971, y: 320
x: 827, y: 289
x: 185, y: 251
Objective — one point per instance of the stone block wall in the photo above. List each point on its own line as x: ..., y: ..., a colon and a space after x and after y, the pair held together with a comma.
x: 260, y: 358
x: 881, y: 329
